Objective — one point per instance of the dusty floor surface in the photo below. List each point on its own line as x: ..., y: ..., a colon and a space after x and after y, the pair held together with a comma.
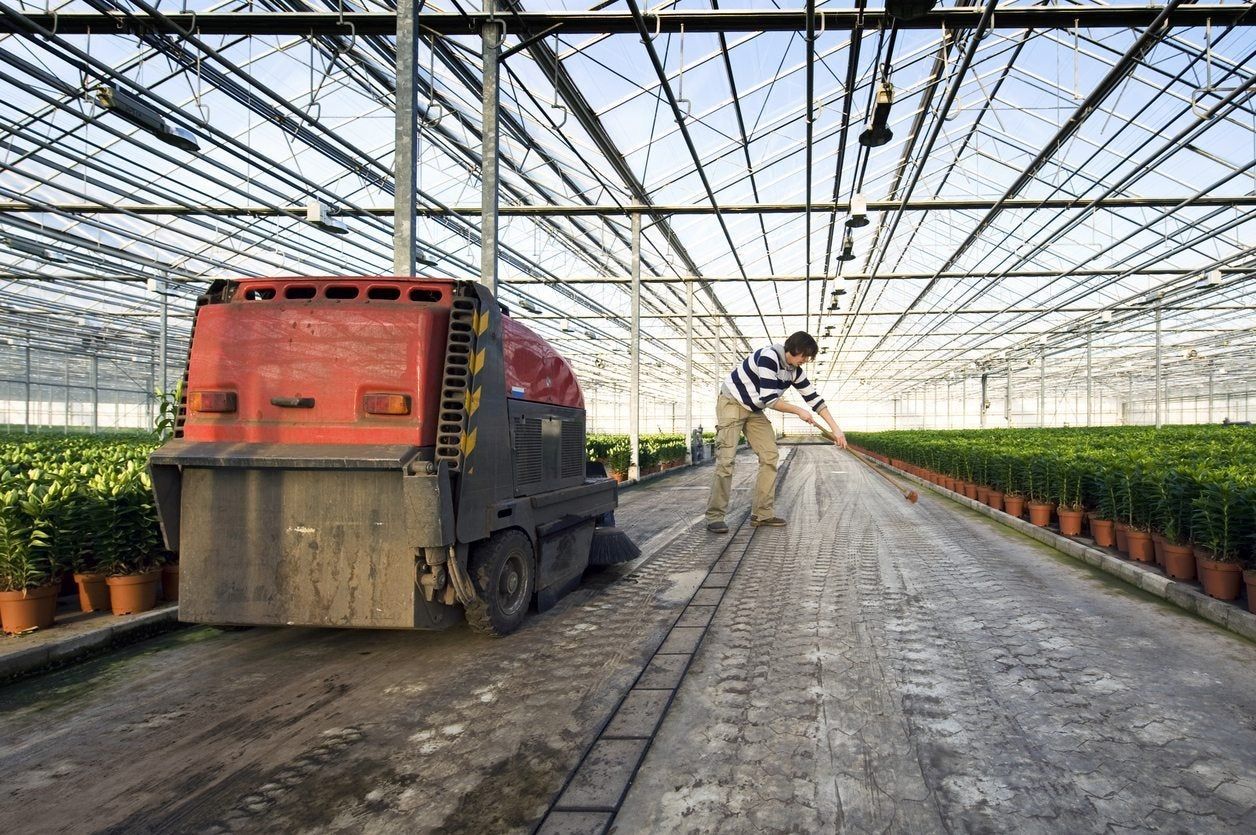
x: 875, y: 666
x: 879, y: 666
x: 289, y: 730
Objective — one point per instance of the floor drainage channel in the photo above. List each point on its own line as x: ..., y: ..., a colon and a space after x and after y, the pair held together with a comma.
x: 595, y: 789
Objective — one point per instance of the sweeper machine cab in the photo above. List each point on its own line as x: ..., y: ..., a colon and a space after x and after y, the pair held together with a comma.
x: 377, y: 452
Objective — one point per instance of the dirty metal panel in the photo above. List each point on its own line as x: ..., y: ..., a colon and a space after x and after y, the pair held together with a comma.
x: 317, y: 548
x: 290, y: 456
x: 564, y: 555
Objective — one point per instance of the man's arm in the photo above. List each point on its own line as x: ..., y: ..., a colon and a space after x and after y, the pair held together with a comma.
x: 816, y: 402
x: 839, y: 437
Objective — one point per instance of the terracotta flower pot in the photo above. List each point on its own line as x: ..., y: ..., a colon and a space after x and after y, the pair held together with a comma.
x: 1220, y: 579
x: 28, y: 610
x: 983, y: 494
x: 995, y: 499
x: 970, y: 490
x: 1140, y: 545
x: 93, y: 591
x: 1014, y: 505
x: 1250, y: 578
x: 1070, y: 521
x: 1122, y: 544
x: 949, y: 484
x: 130, y: 594
x: 1179, y: 562
x: 170, y: 581
x: 1040, y: 513
x: 1101, y: 530
x: 1157, y: 547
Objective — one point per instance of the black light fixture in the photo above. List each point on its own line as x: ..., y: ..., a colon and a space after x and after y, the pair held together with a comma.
x: 848, y: 249
x: 909, y: 9
x: 129, y: 107
x: 878, y: 133
x: 321, y: 216
x: 858, y: 212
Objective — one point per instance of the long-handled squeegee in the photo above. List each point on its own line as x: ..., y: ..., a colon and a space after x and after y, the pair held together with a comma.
x: 910, y: 495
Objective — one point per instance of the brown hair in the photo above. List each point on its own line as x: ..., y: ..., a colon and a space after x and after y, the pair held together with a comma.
x: 802, y: 343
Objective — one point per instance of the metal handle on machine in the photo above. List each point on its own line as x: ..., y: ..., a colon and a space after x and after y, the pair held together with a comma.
x: 293, y: 402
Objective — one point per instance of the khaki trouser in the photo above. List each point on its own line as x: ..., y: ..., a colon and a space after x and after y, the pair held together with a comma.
x: 733, y: 419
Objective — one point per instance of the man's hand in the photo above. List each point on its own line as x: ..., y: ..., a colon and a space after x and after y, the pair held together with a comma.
x: 839, y: 438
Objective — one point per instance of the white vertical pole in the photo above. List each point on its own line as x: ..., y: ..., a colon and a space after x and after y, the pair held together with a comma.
x: 1042, y: 387
x: 27, y: 426
x: 491, y: 34
x: 1159, y: 351
x: 688, y: 371
x: 1210, y: 373
x: 1090, y: 379
x: 1007, y: 401
x: 634, y: 414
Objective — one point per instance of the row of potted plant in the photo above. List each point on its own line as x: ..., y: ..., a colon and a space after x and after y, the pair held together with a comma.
x: 78, y: 506
x: 657, y: 452
x: 1183, y: 497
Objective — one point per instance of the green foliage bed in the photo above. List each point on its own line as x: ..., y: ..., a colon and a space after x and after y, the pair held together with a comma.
x: 1190, y: 483
x: 615, y: 450
x: 75, y: 503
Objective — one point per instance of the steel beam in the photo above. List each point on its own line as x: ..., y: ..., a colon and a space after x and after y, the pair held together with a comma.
x: 1159, y: 363
x: 688, y: 371
x: 492, y: 33
x: 530, y: 24
x: 925, y: 204
x: 405, y: 155
x: 634, y: 395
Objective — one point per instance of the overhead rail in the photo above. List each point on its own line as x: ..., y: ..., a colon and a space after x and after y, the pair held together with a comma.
x: 840, y: 206
x: 612, y: 22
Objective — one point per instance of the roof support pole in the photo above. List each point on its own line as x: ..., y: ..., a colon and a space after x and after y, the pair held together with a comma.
x: 634, y: 395
x: 1007, y: 400
x: 1210, y: 373
x: 1090, y: 379
x: 949, y: 425
x: 67, y: 395
x: 491, y: 34
x: 405, y: 155
x: 26, y: 428
x: 689, y: 371
x: 164, y: 344
x: 1159, y: 353
x: 95, y: 392
x: 984, y: 406
x: 1042, y: 387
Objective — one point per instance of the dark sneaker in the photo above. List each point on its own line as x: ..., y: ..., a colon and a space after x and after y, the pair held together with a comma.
x: 717, y: 527
x: 770, y: 522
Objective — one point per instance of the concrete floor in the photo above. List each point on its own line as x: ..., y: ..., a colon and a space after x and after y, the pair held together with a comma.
x: 873, y: 666
x: 881, y: 666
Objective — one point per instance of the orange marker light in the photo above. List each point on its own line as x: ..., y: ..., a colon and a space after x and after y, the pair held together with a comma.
x: 386, y: 404
x: 212, y: 401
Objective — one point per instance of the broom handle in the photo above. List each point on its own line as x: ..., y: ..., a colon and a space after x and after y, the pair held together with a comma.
x: 870, y: 466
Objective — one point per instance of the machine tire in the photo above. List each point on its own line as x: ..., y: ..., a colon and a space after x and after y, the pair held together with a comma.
x: 503, y: 571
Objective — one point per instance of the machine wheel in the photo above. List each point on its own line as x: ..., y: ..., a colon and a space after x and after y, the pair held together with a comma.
x: 503, y: 571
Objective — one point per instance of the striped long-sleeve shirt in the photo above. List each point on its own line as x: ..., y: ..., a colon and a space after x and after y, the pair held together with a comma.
x: 762, y: 377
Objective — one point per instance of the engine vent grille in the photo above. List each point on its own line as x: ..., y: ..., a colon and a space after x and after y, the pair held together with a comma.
x: 529, y: 469
x: 573, y: 449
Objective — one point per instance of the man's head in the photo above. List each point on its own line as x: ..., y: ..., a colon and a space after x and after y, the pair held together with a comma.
x: 800, y: 347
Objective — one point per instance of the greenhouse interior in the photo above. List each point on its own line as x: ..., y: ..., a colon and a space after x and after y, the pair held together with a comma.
x: 503, y: 416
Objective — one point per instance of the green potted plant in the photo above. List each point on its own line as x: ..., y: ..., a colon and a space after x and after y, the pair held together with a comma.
x: 1173, y: 492
x: 1103, y: 488
x: 28, y: 580
x: 1042, y: 471
x: 1217, y: 527
x: 125, y: 543
x: 1068, y: 495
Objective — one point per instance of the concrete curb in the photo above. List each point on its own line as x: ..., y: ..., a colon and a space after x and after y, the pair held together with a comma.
x: 1226, y: 615
x: 110, y: 631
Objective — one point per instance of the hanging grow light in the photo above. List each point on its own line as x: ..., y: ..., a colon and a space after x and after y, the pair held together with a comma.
x: 878, y: 132
x: 848, y: 249
x: 320, y: 215
x: 130, y: 108
x: 858, y: 212
x: 909, y: 9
